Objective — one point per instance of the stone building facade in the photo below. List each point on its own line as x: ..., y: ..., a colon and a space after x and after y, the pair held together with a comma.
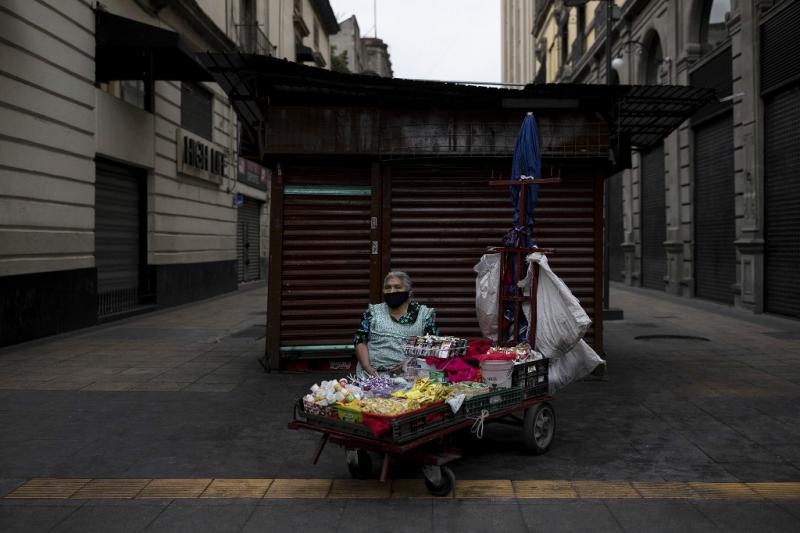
x: 121, y: 189
x: 709, y: 213
x: 376, y: 57
x: 516, y: 20
x: 348, y: 41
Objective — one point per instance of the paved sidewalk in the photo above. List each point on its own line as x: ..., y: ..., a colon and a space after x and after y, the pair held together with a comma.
x: 209, y: 346
x: 684, y: 434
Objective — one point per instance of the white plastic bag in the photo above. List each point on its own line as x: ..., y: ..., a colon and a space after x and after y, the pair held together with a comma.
x: 561, y: 322
x: 486, y: 285
x: 573, y: 365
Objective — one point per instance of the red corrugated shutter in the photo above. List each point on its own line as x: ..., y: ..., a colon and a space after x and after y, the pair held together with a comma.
x: 442, y: 220
x: 325, y: 255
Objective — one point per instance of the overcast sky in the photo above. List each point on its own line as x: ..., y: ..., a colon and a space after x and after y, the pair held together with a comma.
x: 452, y: 40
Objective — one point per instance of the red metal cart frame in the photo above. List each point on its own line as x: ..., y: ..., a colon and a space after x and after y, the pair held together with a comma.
x: 538, y: 425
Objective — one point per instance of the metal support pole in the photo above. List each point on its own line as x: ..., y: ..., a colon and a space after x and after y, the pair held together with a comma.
x: 606, y: 259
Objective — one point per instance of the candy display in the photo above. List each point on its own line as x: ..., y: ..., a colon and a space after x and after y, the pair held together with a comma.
x: 423, y: 392
x: 519, y: 353
x: 469, y: 388
x: 378, y: 386
x: 327, y: 394
x: 435, y: 346
x: 383, y: 406
x: 444, y: 376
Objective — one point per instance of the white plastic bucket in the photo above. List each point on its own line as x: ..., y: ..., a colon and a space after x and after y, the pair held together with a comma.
x: 497, y: 373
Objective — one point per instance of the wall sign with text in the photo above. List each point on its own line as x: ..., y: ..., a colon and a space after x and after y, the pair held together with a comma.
x: 253, y: 174
x: 200, y: 158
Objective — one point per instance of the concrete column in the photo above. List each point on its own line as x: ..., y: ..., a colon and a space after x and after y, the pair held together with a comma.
x: 748, y: 150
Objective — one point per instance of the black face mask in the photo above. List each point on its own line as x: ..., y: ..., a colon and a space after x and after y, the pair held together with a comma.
x: 395, y: 299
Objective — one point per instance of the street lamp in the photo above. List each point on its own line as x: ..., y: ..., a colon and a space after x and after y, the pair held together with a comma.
x: 627, y: 47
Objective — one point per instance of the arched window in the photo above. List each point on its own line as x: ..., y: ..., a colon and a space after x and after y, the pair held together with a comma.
x: 655, y: 57
x: 713, y: 20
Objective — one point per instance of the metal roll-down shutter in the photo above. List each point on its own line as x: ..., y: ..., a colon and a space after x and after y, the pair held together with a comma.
x: 118, y: 236
x: 325, y: 258
x: 782, y: 209
x: 248, y: 240
x: 443, y: 219
x: 714, y: 210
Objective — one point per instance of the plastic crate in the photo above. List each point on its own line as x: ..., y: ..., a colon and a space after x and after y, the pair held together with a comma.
x: 420, y: 423
x: 531, y: 377
x: 398, y: 428
x: 492, y: 401
x: 336, y: 424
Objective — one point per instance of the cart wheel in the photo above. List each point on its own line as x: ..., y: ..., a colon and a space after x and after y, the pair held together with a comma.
x: 359, y: 463
x: 441, y: 484
x: 539, y: 428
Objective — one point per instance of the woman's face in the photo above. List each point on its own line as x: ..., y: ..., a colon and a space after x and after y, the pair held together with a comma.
x: 393, y: 285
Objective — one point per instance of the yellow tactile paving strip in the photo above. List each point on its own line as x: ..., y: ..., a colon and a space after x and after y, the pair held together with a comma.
x: 237, y: 488
x: 544, y: 489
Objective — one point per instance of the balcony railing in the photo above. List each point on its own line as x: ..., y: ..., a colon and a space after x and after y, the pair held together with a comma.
x: 252, y: 40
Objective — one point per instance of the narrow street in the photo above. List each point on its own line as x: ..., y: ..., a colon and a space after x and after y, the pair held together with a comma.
x: 166, y: 421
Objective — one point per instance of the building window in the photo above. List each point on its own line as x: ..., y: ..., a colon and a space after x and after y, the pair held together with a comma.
x: 133, y: 92
x: 580, y: 40
x: 655, y: 60
x: 714, y: 19
x: 316, y: 35
x: 564, y: 41
x: 197, y: 109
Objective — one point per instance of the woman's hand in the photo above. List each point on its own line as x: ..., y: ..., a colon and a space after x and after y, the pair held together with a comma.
x: 398, y: 368
x: 371, y: 371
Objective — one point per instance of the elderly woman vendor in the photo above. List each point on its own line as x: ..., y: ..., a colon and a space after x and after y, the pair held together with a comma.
x: 384, y: 328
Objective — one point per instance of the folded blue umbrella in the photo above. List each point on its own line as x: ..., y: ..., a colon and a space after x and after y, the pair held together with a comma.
x: 527, y: 163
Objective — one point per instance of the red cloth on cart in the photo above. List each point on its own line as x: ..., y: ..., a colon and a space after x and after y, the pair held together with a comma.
x: 456, y: 369
x: 377, y: 425
x: 477, y: 347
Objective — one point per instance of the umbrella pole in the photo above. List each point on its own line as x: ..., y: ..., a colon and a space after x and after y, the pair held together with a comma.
x: 519, y: 262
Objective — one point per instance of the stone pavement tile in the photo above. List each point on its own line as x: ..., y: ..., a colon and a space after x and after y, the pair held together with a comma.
x: 157, y: 385
x: 749, y: 516
x: 569, y: 517
x: 730, y: 447
x: 8, y: 484
x: 753, y: 472
x: 210, y: 387
x: 652, y: 516
x: 763, y: 429
x: 30, y: 517
x: 194, y: 516
x: 180, y: 375
x: 296, y: 516
x: 16, y: 384
x: 789, y: 452
x: 686, y: 472
x: 667, y: 446
x: 31, y: 458
x: 371, y: 516
x: 111, y: 517
x: 792, y: 508
x: 476, y: 515
x: 223, y: 377
x: 193, y: 366
x: 110, y: 385
x: 142, y: 372
x: 58, y: 384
